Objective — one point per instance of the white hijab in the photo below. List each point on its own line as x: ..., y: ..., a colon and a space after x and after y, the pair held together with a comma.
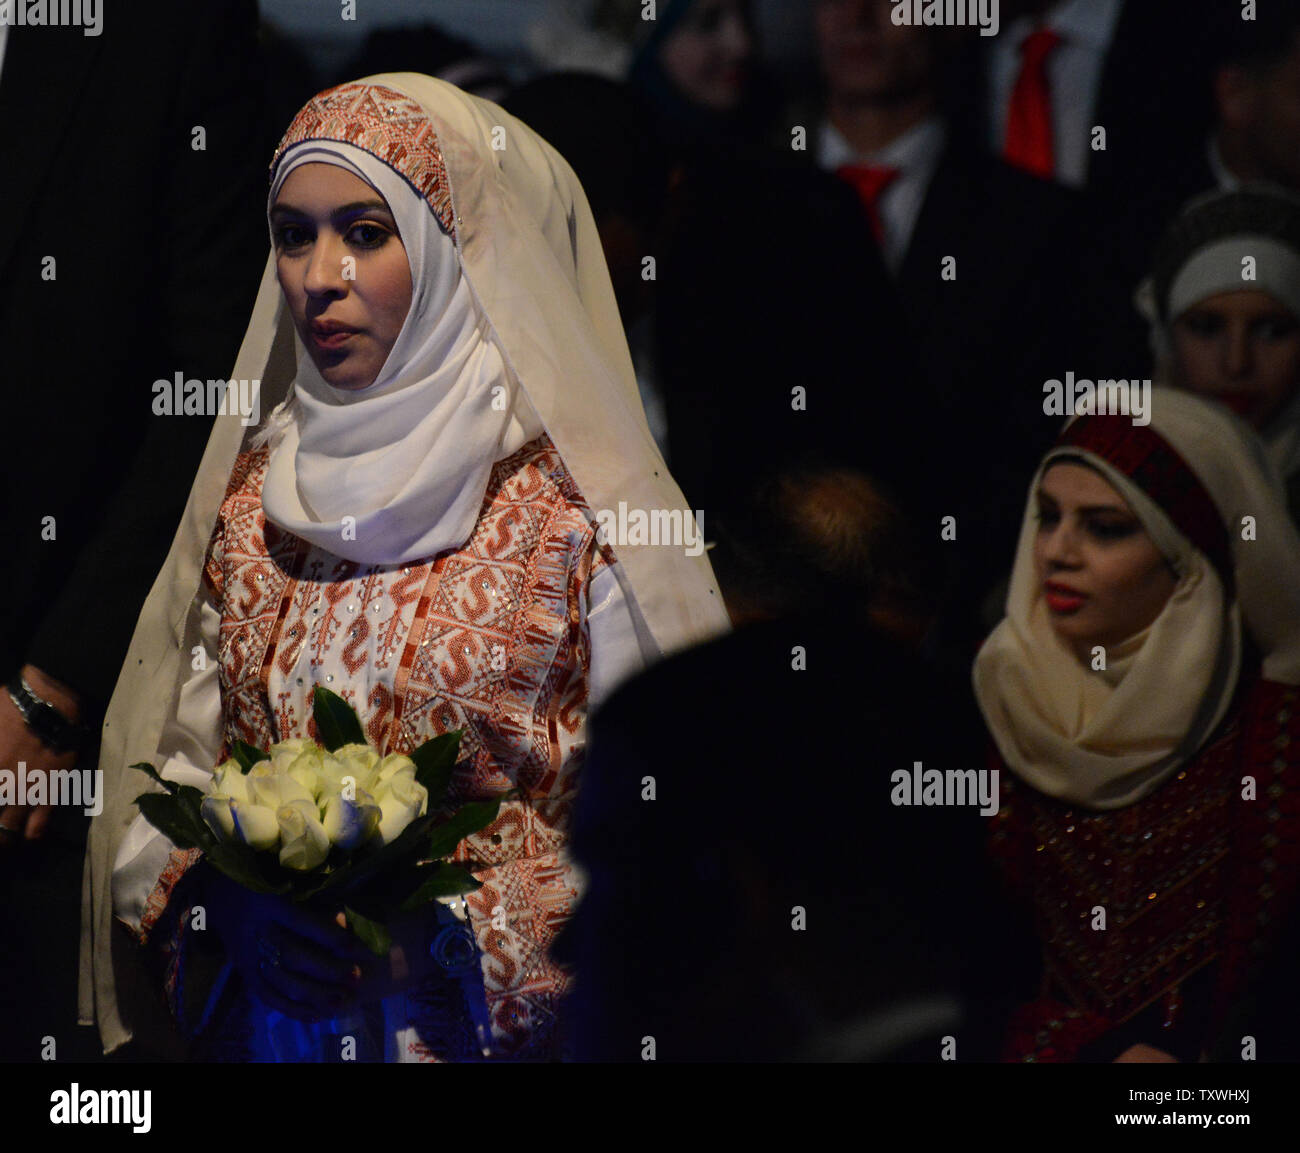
x: 408, y: 457
x: 1105, y: 739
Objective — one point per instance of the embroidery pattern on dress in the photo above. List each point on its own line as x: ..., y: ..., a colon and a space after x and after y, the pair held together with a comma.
x: 510, y: 597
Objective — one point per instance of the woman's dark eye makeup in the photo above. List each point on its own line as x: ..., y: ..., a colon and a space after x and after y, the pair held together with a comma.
x: 1110, y: 528
x: 1104, y: 526
x: 361, y: 233
x: 1207, y: 324
x: 1274, y: 327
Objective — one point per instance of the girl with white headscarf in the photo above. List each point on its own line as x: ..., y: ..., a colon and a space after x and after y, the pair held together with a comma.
x: 423, y: 543
x: 1223, y: 302
x: 1150, y: 770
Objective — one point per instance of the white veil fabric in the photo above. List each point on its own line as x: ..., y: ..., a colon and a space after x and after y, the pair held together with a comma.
x: 1105, y: 739
x: 530, y: 260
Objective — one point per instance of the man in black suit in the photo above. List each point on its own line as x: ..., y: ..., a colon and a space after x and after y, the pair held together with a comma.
x: 984, y: 259
x: 133, y: 188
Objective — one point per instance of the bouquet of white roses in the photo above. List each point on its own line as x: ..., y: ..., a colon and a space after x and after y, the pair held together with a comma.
x: 329, y: 824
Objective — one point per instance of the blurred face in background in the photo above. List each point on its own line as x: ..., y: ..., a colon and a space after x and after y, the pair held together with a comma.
x: 706, y: 55
x: 865, y: 56
x: 1260, y: 112
x: 1241, y: 349
x: 1100, y: 574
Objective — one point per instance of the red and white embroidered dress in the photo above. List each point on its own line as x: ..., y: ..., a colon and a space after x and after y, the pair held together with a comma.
x: 508, y: 638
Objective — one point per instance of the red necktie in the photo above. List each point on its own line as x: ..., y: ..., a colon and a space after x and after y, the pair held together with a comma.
x: 1029, y: 120
x: 869, y: 181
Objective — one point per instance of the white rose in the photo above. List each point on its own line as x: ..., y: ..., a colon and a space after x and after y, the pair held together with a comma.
x: 330, y: 772
x: 274, y: 790
x: 304, y: 844
x: 216, y: 814
x: 349, y: 823
x: 308, y: 769
x: 358, y: 762
x: 255, y: 825
x: 391, y: 764
x: 401, y: 799
x: 295, y: 746
x: 228, y: 781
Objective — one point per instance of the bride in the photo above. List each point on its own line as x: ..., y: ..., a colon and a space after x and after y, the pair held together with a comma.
x: 414, y: 528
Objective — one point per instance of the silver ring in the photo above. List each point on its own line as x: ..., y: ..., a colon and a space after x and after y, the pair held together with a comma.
x: 7, y: 831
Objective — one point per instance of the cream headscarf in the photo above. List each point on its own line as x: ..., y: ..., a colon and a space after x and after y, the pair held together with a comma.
x: 530, y: 260
x: 1106, y: 739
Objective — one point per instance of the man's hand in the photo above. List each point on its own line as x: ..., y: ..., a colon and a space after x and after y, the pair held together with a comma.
x: 17, y: 744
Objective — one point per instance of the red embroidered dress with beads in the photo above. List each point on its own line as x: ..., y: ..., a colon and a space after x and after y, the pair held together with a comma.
x: 1194, y: 875
x: 488, y: 638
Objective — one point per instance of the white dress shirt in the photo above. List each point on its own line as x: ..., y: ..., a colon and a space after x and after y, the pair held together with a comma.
x: 916, y: 155
x: 1074, y: 70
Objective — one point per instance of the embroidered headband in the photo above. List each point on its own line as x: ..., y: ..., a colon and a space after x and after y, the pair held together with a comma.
x: 1155, y: 466
x: 390, y: 126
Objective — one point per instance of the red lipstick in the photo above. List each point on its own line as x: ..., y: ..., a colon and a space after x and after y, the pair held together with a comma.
x: 1063, y: 599
x: 331, y: 333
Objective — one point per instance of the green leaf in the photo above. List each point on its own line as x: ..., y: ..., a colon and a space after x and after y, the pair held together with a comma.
x: 145, y: 767
x: 241, y: 865
x: 247, y: 755
x: 444, y: 880
x: 435, y: 761
x: 336, y: 720
x: 162, y: 812
x: 189, y: 803
x: 466, y: 820
x: 374, y: 936
x: 180, y: 818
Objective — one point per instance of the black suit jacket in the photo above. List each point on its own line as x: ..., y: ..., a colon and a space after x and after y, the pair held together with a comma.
x: 157, y: 251
x: 769, y: 280
x: 988, y: 339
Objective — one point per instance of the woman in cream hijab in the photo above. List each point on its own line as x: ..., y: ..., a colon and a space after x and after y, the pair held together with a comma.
x: 1138, y: 691
x: 414, y: 527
